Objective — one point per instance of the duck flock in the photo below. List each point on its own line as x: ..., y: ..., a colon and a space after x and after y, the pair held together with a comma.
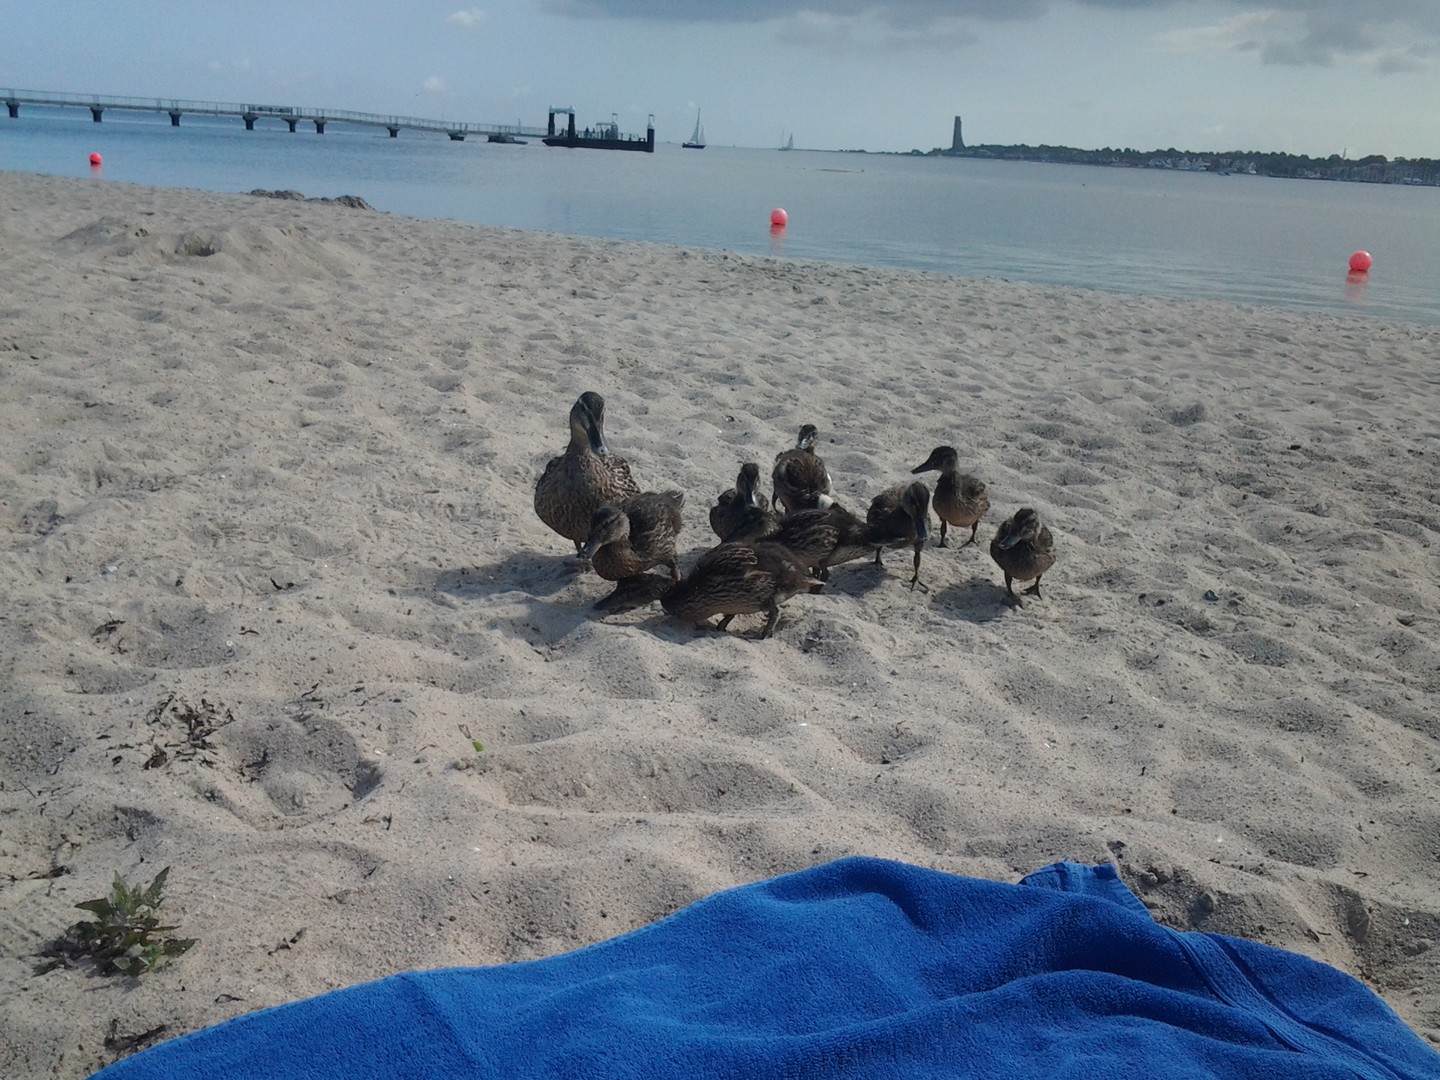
x: 769, y: 550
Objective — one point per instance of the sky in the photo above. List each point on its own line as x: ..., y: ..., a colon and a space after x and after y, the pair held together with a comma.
x: 1316, y: 77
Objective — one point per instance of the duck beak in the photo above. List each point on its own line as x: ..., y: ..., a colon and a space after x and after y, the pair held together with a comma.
x: 922, y: 528
x: 597, y: 440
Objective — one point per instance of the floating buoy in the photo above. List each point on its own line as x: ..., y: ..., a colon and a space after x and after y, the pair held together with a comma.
x: 96, y: 160
x: 1361, y: 262
x: 779, y: 217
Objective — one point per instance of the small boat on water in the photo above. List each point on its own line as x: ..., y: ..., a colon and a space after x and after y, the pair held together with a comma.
x: 505, y: 137
x: 697, y: 140
x: 789, y: 142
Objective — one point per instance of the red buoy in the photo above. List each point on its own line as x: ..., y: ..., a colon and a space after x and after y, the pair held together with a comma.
x: 96, y: 160
x: 778, y: 217
x: 1361, y: 262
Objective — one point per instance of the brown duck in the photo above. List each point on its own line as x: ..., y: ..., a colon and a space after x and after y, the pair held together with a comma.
x: 827, y: 537
x: 800, y: 479
x: 585, y: 477
x: 1023, y: 549
x: 728, y: 580
x: 960, y: 499
x: 742, y: 513
x: 900, y: 517
x: 635, y: 534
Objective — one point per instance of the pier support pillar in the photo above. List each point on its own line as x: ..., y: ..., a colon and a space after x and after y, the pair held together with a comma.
x: 14, y: 107
x: 174, y: 117
x: 394, y: 132
x: 319, y: 127
x: 292, y: 123
x: 249, y: 119
x: 95, y: 111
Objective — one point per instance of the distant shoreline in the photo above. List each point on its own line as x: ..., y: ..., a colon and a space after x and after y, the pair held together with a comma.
x: 1373, y: 169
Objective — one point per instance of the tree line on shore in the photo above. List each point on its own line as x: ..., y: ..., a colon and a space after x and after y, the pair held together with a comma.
x: 1375, y: 168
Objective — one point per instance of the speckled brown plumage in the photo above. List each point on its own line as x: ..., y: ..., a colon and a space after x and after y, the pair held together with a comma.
x: 585, y: 477
x: 960, y: 499
x: 1023, y: 549
x: 800, y: 478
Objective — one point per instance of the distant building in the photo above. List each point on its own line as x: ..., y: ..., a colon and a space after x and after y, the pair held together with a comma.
x: 957, y: 143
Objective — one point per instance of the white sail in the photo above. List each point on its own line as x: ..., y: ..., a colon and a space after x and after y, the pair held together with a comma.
x: 697, y: 140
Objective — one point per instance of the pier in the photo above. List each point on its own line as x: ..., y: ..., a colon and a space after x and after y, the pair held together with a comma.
x: 599, y: 137
x: 290, y: 115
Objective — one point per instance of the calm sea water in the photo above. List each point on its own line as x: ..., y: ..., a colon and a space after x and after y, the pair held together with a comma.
x: 1283, y: 243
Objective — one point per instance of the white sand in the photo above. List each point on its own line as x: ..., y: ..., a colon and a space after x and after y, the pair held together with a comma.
x: 291, y: 479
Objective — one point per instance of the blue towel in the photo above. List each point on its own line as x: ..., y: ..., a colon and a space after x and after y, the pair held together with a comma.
x: 859, y: 968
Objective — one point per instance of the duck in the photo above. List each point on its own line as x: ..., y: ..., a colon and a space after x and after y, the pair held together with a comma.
x: 740, y: 579
x: 728, y: 580
x: 800, y: 479
x: 634, y: 534
x: 823, y: 537
x: 585, y: 477
x: 742, y: 513
x: 828, y: 536
x: 900, y: 517
x: 960, y: 499
x: 1023, y: 549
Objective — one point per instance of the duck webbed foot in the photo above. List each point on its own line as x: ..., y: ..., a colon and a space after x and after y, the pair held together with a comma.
x: 1034, y: 590
x: 770, y: 623
x: 973, y: 530
x: 915, y: 581
x: 1010, y: 599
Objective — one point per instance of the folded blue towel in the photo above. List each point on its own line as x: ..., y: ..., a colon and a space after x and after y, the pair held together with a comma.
x: 859, y: 968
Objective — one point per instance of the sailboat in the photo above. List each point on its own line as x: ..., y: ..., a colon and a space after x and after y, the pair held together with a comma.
x: 789, y: 142
x: 697, y: 140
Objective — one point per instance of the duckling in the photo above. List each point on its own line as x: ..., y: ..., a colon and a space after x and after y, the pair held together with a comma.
x: 635, y: 534
x: 960, y: 499
x: 738, y: 579
x: 742, y: 507
x: 585, y: 477
x: 823, y: 537
x: 900, y: 517
x: 800, y: 479
x: 1023, y: 549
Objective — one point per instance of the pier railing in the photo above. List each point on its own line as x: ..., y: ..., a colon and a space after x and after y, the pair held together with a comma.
x: 249, y: 113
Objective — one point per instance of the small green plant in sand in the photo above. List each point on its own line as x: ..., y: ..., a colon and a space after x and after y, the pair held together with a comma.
x: 125, y: 936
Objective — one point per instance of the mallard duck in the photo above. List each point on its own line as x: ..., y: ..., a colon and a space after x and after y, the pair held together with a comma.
x: 585, y: 477
x: 635, y: 534
x: 824, y: 537
x: 738, y: 579
x: 800, y: 479
x: 900, y: 517
x: 960, y: 499
x: 728, y: 580
x: 1023, y: 549
x: 742, y: 510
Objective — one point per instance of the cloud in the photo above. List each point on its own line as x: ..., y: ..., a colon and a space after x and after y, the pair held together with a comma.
x: 1321, y: 34
x: 467, y: 19
x: 847, y: 36
x: 1394, y: 36
x: 433, y: 85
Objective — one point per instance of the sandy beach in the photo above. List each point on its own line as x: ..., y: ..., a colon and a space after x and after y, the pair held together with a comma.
x: 272, y: 570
